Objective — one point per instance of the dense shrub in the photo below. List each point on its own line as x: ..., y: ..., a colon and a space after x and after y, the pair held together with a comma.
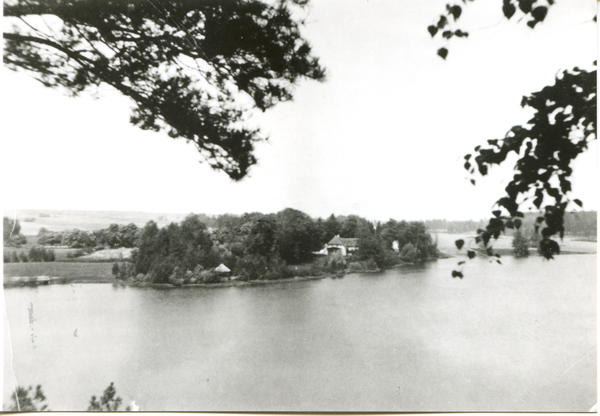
x: 162, y: 269
x: 408, y: 252
x: 208, y: 276
x: 39, y: 254
x: 51, y: 239
x: 16, y: 241
x: 371, y: 264
x: 252, y: 267
x: 116, y: 270
x: 278, y: 269
x: 335, y: 262
x: 14, y: 258
x: 43, y: 231
x: 177, y: 277
x: 23, y: 257
x: 356, y: 266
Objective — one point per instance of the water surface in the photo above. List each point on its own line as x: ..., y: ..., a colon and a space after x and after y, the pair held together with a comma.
x: 517, y: 336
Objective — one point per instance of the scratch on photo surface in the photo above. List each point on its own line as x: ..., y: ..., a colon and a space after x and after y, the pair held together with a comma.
x: 10, y: 351
x: 14, y: 225
x: 569, y: 367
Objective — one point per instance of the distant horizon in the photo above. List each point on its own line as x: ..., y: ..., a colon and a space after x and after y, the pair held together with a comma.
x: 68, y: 210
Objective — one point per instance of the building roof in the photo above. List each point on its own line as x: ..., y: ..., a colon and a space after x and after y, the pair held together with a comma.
x: 222, y: 269
x: 339, y: 241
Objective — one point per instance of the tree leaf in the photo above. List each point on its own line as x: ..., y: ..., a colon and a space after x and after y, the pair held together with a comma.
x: 455, y: 11
x: 442, y: 22
x: 471, y: 254
x: 508, y: 9
x: 524, y: 101
x: 485, y: 237
x: 578, y: 202
x: 539, y: 13
x: 432, y: 30
x: 526, y: 5
x: 459, y: 243
x: 456, y: 273
x: 443, y: 52
x: 517, y: 222
x: 532, y: 23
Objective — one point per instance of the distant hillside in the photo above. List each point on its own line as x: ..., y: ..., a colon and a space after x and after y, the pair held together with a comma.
x: 32, y: 220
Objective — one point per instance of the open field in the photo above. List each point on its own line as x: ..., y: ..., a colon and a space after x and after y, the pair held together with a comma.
x: 32, y: 240
x: 59, y: 272
x: 59, y: 220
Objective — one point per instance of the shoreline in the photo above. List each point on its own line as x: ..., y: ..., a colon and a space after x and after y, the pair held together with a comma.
x: 44, y: 280
x: 48, y: 280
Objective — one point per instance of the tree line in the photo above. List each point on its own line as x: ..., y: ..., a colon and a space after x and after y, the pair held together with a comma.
x: 36, y: 254
x: 582, y: 223
x: 112, y: 237
x: 262, y: 246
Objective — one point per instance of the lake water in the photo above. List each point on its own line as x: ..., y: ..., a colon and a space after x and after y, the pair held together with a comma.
x: 517, y: 336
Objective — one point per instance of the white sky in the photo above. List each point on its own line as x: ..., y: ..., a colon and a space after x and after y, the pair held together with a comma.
x: 383, y: 137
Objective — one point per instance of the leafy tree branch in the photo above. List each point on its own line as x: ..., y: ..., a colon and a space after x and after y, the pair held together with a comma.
x: 189, y: 67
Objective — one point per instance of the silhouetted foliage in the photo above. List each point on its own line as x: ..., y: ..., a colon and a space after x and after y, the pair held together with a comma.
x: 28, y: 400
x: 188, y: 66
x: 563, y: 125
x: 446, y: 24
x: 108, y: 402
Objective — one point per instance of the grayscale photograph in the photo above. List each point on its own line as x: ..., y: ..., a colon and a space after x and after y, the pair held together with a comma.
x: 299, y: 205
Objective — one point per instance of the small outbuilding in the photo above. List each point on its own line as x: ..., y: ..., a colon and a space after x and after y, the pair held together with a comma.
x: 223, y: 271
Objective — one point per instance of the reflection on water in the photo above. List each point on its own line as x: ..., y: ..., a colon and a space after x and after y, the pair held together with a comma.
x: 521, y: 336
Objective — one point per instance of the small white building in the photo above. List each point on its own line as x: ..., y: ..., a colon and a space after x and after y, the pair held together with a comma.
x: 347, y: 246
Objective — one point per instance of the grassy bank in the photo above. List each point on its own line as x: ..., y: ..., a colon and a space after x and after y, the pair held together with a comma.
x: 21, y: 274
